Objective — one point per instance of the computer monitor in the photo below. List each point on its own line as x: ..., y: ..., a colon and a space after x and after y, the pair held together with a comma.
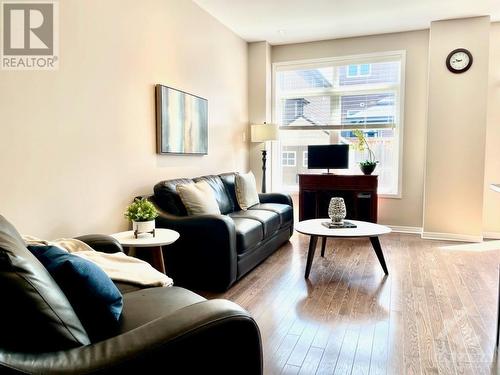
x: 328, y: 156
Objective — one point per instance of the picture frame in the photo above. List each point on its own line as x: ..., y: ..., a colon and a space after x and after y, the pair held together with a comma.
x: 181, y: 122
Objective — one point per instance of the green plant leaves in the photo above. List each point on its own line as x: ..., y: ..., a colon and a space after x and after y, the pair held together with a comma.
x: 363, y: 145
x: 141, y: 210
x: 367, y: 162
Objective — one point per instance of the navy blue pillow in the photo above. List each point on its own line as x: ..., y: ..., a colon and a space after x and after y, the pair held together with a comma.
x: 94, y: 297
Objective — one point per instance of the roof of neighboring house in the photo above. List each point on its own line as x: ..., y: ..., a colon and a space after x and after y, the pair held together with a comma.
x: 302, y: 121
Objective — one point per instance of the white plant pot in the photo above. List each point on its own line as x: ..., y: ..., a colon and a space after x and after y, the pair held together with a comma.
x: 143, y: 226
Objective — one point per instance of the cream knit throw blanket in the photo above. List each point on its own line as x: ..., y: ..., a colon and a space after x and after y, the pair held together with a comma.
x: 118, y: 266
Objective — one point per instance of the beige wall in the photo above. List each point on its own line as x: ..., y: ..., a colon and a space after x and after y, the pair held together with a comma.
x: 456, y: 131
x: 78, y: 143
x: 406, y: 211
x: 491, y: 211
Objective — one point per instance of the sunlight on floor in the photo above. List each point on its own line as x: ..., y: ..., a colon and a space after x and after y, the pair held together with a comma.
x: 482, y: 246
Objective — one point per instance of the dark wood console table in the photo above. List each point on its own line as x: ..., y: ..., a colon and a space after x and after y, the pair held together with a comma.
x: 359, y: 193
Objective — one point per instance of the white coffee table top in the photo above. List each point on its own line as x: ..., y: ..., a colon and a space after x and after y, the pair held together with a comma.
x: 162, y: 237
x: 364, y: 229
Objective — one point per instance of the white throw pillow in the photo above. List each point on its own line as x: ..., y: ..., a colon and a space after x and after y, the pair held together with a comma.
x: 198, y: 198
x: 246, y: 190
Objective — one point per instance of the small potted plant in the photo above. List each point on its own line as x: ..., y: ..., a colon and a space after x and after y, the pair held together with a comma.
x: 367, y: 166
x: 142, y: 213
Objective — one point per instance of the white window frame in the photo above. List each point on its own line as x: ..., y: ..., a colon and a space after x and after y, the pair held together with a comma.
x: 305, y: 158
x: 294, y: 153
x: 358, y: 71
x: 356, y: 59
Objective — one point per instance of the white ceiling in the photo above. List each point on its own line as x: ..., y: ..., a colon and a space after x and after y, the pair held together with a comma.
x: 292, y: 21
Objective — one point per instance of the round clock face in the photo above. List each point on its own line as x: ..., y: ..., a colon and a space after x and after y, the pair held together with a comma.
x: 459, y: 60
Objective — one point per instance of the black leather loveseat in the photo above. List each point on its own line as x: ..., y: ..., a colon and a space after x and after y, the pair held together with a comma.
x: 214, y: 251
x: 163, y: 330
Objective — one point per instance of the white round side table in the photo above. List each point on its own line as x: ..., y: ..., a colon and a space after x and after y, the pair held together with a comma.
x: 153, y: 244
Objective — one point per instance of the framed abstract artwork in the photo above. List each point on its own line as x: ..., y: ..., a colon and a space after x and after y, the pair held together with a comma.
x: 181, y: 122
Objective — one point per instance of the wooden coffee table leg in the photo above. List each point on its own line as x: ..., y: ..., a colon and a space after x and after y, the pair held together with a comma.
x: 323, y: 246
x: 157, y: 259
x: 380, y: 255
x: 310, y: 255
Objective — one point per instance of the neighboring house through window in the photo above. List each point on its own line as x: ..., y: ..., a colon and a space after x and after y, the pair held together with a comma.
x: 359, y: 70
x: 288, y: 158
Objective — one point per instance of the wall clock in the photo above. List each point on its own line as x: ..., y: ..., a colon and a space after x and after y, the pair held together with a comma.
x: 459, y: 60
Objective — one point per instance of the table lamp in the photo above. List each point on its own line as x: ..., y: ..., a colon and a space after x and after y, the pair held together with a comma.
x: 261, y: 133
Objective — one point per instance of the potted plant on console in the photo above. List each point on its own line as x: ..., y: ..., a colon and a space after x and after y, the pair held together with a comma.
x: 142, y: 213
x: 367, y: 166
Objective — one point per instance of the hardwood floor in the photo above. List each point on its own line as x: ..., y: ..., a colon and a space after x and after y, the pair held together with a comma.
x: 434, y: 314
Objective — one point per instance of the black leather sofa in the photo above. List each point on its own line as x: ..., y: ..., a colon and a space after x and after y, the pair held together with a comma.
x: 214, y: 251
x: 163, y: 330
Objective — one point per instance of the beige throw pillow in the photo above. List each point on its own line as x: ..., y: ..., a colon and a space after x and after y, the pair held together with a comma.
x: 198, y: 198
x: 246, y: 190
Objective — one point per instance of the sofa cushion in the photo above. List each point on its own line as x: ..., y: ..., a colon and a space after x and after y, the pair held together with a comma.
x: 228, y: 179
x: 167, y: 198
x: 270, y: 220
x: 246, y: 190
x: 284, y: 211
x: 146, y: 305
x: 249, y: 232
x: 94, y: 297
x: 36, y: 316
x: 198, y: 198
x: 125, y: 287
x: 225, y: 203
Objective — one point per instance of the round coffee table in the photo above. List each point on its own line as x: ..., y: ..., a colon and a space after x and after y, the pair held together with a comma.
x: 316, y: 229
x: 162, y: 237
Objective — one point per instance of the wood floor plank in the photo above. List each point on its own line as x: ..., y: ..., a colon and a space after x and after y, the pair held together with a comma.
x: 347, y: 352
x: 283, y: 353
x: 424, y: 332
x: 379, y: 353
x: 311, y: 362
x: 290, y: 370
x: 362, y: 358
x: 411, y: 347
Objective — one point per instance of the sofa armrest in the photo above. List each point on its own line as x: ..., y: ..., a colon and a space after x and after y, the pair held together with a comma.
x: 204, y: 257
x: 182, y: 342
x: 102, y: 242
x: 275, y: 198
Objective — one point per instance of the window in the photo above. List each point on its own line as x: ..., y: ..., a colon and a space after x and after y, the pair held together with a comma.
x: 358, y: 70
x: 323, y: 101
x: 288, y: 158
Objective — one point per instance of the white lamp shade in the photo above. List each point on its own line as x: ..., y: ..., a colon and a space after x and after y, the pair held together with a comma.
x: 264, y: 132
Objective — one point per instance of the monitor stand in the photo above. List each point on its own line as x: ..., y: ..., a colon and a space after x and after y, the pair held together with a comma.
x: 328, y: 171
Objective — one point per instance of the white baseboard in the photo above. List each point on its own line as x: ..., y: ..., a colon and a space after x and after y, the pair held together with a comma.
x: 492, y: 235
x: 444, y: 236
x: 451, y: 237
x: 403, y: 229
